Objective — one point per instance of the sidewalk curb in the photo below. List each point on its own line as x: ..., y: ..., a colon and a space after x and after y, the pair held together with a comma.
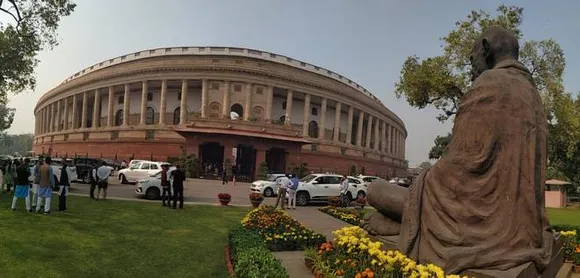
x: 149, y: 201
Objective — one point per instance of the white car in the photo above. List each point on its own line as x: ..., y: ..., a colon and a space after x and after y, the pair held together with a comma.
x: 356, y: 188
x: 56, y: 166
x: 140, y: 170
x: 367, y: 179
x: 150, y: 187
x: 268, y: 187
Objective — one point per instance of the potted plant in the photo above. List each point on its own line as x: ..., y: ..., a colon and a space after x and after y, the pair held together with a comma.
x: 334, y: 201
x: 256, y: 199
x: 361, y: 202
x: 576, y: 258
x: 224, y: 198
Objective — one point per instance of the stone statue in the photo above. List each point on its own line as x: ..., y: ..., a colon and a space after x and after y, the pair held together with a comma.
x: 481, y: 206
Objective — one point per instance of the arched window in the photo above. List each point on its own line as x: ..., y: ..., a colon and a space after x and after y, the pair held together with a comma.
x: 214, y: 110
x: 176, y: 115
x: 119, y: 117
x: 150, y: 96
x: 238, y: 108
x: 314, y: 111
x: 258, y: 112
x: 150, y: 116
x: 313, y: 129
x: 121, y: 100
x: 284, y: 105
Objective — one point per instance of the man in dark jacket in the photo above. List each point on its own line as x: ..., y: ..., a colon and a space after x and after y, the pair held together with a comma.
x: 92, y: 172
x: 166, y: 194
x: 178, y: 177
x: 22, y: 184
x: 64, y: 187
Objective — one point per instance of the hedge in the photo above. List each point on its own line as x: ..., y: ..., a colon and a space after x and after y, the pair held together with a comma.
x: 251, y: 257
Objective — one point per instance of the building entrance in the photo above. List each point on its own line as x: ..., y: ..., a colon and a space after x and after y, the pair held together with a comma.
x: 211, y: 157
x: 245, y: 162
x: 276, y: 160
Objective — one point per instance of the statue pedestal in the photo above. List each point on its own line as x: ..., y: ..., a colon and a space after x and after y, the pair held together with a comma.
x: 527, y: 270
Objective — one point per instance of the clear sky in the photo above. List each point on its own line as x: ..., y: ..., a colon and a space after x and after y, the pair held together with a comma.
x: 367, y: 41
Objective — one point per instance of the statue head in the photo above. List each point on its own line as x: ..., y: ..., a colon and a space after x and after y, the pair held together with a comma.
x: 495, y: 44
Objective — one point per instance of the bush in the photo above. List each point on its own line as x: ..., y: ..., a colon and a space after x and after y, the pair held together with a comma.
x: 263, y: 171
x: 353, y: 170
x: 251, y: 257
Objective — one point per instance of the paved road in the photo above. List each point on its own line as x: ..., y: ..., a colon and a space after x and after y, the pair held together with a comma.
x: 195, y: 190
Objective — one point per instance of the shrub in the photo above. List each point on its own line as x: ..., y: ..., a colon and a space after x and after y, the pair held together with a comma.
x: 224, y: 196
x: 251, y: 257
x: 353, y: 170
x: 256, y: 197
x: 334, y: 201
x: 263, y: 171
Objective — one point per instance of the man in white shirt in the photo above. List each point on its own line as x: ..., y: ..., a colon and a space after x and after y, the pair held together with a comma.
x: 283, y: 184
x: 343, y: 189
x: 101, y: 175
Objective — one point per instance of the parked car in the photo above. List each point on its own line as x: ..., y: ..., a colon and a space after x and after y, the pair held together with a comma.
x: 114, y: 164
x: 267, y: 187
x: 56, y: 165
x: 139, y: 171
x: 317, y: 188
x: 150, y: 187
x: 367, y: 179
x: 356, y: 188
x: 85, y: 165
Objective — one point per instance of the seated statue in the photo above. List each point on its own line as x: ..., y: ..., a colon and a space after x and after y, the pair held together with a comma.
x: 481, y: 206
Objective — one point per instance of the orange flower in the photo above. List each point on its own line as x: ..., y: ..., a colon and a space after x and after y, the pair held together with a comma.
x: 577, y: 250
x: 339, y: 272
x: 358, y: 275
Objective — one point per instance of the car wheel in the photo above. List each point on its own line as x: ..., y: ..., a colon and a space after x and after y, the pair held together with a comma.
x: 361, y: 194
x: 268, y: 192
x: 302, y: 198
x: 349, y: 197
x: 153, y: 193
x: 123, y: 179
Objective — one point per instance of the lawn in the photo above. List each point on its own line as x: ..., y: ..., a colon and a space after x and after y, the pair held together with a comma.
x: 115, y: 239
x: 564, y: 216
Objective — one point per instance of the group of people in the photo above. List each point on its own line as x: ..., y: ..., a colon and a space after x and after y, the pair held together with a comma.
x: 99, y: 178
x: 288, y: 183
x: 169, y: 179
x: 41, y: 188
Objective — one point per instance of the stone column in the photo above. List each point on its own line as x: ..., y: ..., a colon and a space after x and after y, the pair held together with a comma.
x: 288, y: 117
x: 377, y: 140
x: 306, y: 116
x: 44, y: 120
x: 322, y: 127
x: 84, y: 110
x: 384, y: 138
x: 349, y: 125
x: 369, y: 132
x: 74, y: 112
x: 361, y: 118
x: 163, y: 103
x: 127, y: 105
x: 96, y: 114
x: 390, y: 139
x: 65, y: 125
x: 269, y: 99
x: 58, y: 115
x: 111, y: 107
x: 144, y: 91
x: 204, y: 87
x: 226, y: 101
x: 248, y: 102
x: 337, y: 112
x: 183, y: 105
x: 403, y: 146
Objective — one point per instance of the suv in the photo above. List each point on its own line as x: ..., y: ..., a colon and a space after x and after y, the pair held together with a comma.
x: 150, y: 187
x: 85, y: 165
x: 268, y: 187
x: 56, y: 166
x: 140, y: 170
x: 317, y: 188
x: 357, y: 188
x: 367, y: 179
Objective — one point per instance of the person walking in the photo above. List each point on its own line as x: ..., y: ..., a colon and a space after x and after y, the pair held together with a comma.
x: 102, y: 177
x: 45, y: 186
x: 283, y: 183
x: 8, y: 175
x: 64, y: 187
x: 224, y: 174
x: 292, y: 191
x: 344, y: 202
x: 22, y: 184
x: 178, y: 177
x: 93, y: 180
x: 33, y: 194
x: 166, y: 186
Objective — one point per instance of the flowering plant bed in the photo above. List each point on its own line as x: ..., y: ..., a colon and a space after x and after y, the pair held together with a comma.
x: 351, y: 216
x: 280, y: 231
x: 355, y: 255
x: 250, y: 256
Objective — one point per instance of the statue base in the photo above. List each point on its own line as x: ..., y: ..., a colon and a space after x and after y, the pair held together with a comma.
x: 527, y: 270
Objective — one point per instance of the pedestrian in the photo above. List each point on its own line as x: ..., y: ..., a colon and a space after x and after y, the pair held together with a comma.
x: 178, y: 177
x: 93, y: 180
x: 123, y: 164
x: 292, y: 191
x: 8, y: 175
x: 33, y: 195
x: 22, y: 184
x: 283, y: 184
x: 64, y: 187
x: 224, y: 174
x: 344, y: 201
x: 45, y: 186
x: 234, y: 173
x: 166, y: 186
x: 102, y: 177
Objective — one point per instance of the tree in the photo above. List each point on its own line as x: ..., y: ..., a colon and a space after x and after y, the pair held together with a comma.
x: 263, y: 171
x: 15, y: 144
x: 442, y: 81
x: 425, y: 165
x: 353, y: 170
x: 31, y: 27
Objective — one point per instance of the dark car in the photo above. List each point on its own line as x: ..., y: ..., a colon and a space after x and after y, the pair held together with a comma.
x: 110, y: 162
x: 84, y: 166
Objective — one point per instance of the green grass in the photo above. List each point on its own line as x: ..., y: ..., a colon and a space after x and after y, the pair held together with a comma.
x: 115, y: 239
x: 564, y: 216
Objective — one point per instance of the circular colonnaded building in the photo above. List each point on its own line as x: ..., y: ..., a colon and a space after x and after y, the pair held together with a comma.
x: 157, y: 103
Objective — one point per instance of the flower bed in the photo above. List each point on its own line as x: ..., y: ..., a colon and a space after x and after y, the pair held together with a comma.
x: 250, y: 256
x: 351, y: 216
x: 571, y: 246
x: 280, y: 231
x: 355, y: 255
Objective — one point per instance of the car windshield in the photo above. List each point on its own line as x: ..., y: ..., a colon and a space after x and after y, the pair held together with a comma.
x: 308, y: 178
x: 273, y: 177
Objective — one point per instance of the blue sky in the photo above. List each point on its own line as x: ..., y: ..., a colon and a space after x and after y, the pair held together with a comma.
x: 367, y: 41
